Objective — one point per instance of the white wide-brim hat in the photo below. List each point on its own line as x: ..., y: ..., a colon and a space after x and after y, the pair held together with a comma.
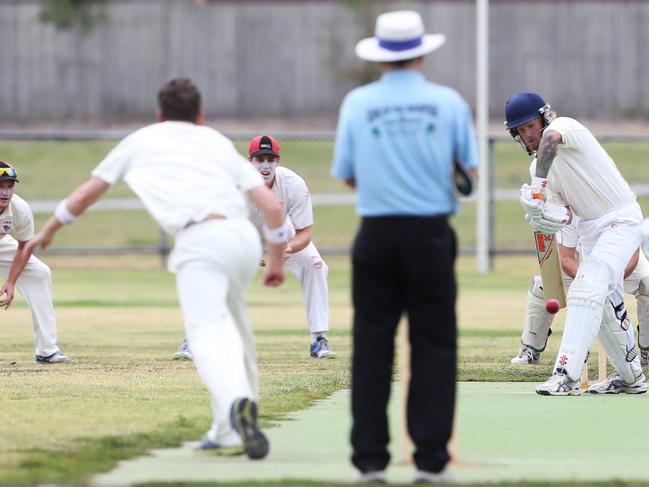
x: 398, y: 36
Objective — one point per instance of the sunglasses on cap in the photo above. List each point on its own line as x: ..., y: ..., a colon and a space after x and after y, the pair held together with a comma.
x: 8, y: 171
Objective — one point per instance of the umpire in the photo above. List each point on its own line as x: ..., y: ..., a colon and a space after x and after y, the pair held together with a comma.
x: 396, y: 143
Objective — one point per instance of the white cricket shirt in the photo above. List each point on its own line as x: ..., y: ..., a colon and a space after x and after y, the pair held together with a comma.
x: 291, y: 190
x: 568, y: 236
x: 182, y: 171
x: 17, y: 220
x: 583, y: 176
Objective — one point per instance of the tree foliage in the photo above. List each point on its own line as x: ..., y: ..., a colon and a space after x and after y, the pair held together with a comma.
x: 66, y: 14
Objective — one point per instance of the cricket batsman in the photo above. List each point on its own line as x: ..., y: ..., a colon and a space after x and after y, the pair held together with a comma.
x: 573, y: 175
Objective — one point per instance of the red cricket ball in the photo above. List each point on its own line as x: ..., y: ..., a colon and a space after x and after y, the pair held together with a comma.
x: 552, y: 306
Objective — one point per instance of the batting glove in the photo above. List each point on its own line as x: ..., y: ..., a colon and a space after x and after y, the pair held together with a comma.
x: 532, y: 206
x: 540, y: 183
x: 552, y: 220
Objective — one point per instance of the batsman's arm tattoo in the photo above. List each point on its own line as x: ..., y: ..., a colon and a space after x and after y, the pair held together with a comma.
x: 547, y: 152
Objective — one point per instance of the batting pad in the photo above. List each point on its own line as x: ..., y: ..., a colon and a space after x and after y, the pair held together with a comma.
x: 536, y: 329
x: 586, y: 299
x: 619, y: 345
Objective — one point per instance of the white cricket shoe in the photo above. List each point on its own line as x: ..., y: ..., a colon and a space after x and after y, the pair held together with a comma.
x: 321, y: 348
x: 559, y: 385
x: 526, y: 356
x: 55, y: 358
x: 614, y: 384
x: 424, y: 477
x: 183, y: 352
x: 372, y: 477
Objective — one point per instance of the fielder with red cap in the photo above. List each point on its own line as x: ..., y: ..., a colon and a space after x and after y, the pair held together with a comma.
x: 301, y: 255
x: 22, y: 270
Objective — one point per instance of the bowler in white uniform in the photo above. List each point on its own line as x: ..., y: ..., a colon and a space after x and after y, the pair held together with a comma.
x: 194, y: 183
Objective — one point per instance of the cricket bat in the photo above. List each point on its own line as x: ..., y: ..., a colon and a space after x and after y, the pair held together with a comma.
x: 547, y: 253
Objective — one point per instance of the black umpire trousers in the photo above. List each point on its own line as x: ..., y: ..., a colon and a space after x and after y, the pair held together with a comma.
x: 404, y: 264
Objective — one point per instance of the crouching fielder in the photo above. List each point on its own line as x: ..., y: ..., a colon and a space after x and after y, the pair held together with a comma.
x: 193, y: 182
x: 575, y: 175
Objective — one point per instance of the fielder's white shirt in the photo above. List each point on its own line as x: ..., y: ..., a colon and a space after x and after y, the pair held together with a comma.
x: 182, y: 171
x: 291, y: 190
x: 583, y: 176
x: 17, y: 220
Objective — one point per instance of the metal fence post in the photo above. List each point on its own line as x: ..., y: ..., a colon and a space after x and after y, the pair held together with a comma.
x: 491, y: 209
x: 163, y: 248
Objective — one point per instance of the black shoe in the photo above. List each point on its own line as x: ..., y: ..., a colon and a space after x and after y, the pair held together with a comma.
x: 243, y: 418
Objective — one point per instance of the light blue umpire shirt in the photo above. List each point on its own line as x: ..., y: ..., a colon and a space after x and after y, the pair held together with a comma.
x: 397, y: 138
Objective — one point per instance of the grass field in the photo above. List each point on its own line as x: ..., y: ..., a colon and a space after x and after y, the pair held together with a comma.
x: 121, y: 395
x: 50, y: 169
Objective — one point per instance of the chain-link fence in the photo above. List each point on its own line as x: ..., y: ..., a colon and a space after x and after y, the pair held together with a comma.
x: 50, y: 165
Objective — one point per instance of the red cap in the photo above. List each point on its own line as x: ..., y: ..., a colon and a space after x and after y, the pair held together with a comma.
x: 263, y: 145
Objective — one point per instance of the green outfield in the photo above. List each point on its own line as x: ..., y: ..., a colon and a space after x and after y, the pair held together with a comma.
x: 48, y: 170
x: 121, y: 395
x: 51, y: 168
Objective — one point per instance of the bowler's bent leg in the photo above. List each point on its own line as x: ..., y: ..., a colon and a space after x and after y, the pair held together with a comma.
x: 214, y: 341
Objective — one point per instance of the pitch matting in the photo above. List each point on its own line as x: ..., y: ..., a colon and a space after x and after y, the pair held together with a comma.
x: 506, y: 433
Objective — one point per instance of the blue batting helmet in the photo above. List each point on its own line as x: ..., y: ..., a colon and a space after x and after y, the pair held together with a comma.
x: 523, y: 107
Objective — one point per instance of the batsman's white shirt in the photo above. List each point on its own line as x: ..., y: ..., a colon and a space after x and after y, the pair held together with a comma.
x: 583, y: 176
x: 35, y: 282
x: 307, y: 264
x: 182, y: 172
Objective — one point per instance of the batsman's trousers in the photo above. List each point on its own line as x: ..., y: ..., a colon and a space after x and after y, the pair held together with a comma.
x: 215, y: 262
x: 35, y: 285
x: 404, y: 265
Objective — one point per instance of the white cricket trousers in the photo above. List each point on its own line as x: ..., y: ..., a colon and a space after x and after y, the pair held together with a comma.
x: 215, y: 261
x: 311, y: 270
x: 35, y: 285
x: 608, y: 243
x: 613, y: 238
